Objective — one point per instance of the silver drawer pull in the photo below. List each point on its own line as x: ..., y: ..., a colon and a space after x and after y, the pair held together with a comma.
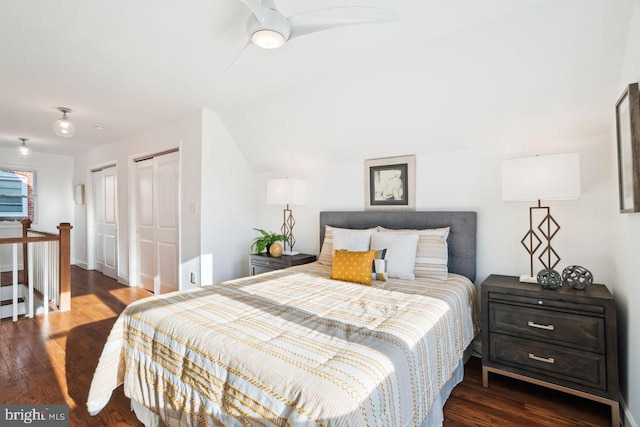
x: 541, y: 359
x: 536, y: 325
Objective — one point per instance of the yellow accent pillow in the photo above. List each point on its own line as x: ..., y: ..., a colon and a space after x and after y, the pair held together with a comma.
x: 352, y: 266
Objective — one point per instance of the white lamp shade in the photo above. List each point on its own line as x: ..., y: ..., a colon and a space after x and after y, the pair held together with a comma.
x: 550, y: 177
x: 286, y: 191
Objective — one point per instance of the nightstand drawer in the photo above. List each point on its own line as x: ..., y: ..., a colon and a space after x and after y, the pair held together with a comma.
x: 263, y: 262
x: 548, y: 360
x: 545, y: 300
x: 258, y: 269
x: 268, y: 262
x: 575, y: 330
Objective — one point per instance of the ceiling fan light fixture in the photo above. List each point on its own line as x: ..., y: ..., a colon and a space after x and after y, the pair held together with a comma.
x: 63, y: 126
x: 267, y: 39
x: 24, y: 151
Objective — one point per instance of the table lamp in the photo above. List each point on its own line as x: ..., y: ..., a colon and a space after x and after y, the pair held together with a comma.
x: 287, y: 191
x: 549, y: 177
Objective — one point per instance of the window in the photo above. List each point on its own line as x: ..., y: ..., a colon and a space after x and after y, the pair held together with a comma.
x: 17, y: 195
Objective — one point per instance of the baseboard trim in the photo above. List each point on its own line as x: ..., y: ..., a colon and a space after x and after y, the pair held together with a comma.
x: 82, y: 265
x: 123, y: 280
x: 629, y: 421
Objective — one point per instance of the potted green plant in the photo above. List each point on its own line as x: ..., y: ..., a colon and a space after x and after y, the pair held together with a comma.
x: 266, y: 239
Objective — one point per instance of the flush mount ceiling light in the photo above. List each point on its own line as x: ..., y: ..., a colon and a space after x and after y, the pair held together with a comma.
x: 63, y: 127
x: 267, y: 39
x: 24, y: 151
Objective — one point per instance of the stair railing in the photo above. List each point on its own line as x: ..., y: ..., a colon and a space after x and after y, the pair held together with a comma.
x: 46, y: 259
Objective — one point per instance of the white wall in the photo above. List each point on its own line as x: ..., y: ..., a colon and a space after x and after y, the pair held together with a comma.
x: 626, y: 248
x: 227, y: 204
x: 184, y: 132
x: 470, y: 180
x: 54, y: 175
x: 216, y: 196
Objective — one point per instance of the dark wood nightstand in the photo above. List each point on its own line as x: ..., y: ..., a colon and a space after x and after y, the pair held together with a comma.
x: 565, y: 339
x: 261, y: 263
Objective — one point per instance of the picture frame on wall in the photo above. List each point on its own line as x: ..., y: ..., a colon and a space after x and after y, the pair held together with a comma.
x: 390, y: 183
x: 628, y: 140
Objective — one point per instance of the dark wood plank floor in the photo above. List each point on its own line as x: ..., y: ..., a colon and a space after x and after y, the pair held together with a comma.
x: 509, y: 402
x: 51, y: 360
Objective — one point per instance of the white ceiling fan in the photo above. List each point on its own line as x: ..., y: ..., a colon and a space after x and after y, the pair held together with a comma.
x: 269, y: 29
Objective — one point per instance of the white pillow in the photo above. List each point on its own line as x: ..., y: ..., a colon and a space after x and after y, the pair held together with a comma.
x: 351, y: 240
x: 326, y: 252
x: 432, y: 255
x: 401, y: 252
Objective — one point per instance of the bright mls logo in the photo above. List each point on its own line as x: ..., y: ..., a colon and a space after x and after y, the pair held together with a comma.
x: 34, y: 415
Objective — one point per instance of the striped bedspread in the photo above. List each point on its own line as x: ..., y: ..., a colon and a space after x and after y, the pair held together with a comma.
x: 290, y: 347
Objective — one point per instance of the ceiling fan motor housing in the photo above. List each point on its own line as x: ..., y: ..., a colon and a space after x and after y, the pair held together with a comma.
x: 272, y: 21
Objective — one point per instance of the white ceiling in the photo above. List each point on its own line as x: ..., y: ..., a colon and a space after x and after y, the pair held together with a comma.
x: 447, y: 68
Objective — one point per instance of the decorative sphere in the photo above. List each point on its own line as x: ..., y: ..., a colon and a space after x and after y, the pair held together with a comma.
x: 577, y: 277
x: 549, y: 279
x: 275, y: 250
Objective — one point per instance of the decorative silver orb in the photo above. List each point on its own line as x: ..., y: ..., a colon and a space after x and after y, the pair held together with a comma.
x: 549, y: 279
x: 577, y: 277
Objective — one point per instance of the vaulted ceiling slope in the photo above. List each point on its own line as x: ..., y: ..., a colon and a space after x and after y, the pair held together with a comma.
x: 446, y: 73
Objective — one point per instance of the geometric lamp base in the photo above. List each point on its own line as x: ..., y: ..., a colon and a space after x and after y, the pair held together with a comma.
x: 525, y: 278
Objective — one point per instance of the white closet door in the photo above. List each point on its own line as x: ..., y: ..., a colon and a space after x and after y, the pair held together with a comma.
x: 98, y: 221
x: 158, y: 233
x: 105, y: 221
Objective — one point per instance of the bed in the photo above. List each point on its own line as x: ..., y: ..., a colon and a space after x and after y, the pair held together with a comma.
x: 293, y: 347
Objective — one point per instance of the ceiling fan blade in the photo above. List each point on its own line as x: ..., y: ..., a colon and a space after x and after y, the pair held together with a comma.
x: 257, y: 9
x: 240, y: 54
x: 326, y: 19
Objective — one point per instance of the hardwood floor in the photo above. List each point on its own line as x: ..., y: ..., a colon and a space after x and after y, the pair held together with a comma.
x: 51, y: 360
x: 509, y: 402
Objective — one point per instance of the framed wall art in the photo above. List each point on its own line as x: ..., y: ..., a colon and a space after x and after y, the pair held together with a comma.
x: 390, y: 183
x: 628, y: 136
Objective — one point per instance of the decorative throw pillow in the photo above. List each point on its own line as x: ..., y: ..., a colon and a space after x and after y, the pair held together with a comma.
x: 432, y: 255
x: 401, y: 252
x: 351, y: 240
x: 379, y: 269
x: 352, y: 266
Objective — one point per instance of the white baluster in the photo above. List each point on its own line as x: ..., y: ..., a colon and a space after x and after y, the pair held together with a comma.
x: 15, y: 282
x: 45, y: 284
x: 36, y: 278
x: 57, y: 273
x: 31, y: 278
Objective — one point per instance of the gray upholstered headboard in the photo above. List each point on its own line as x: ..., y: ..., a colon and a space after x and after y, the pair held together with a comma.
x: 462, y: 237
